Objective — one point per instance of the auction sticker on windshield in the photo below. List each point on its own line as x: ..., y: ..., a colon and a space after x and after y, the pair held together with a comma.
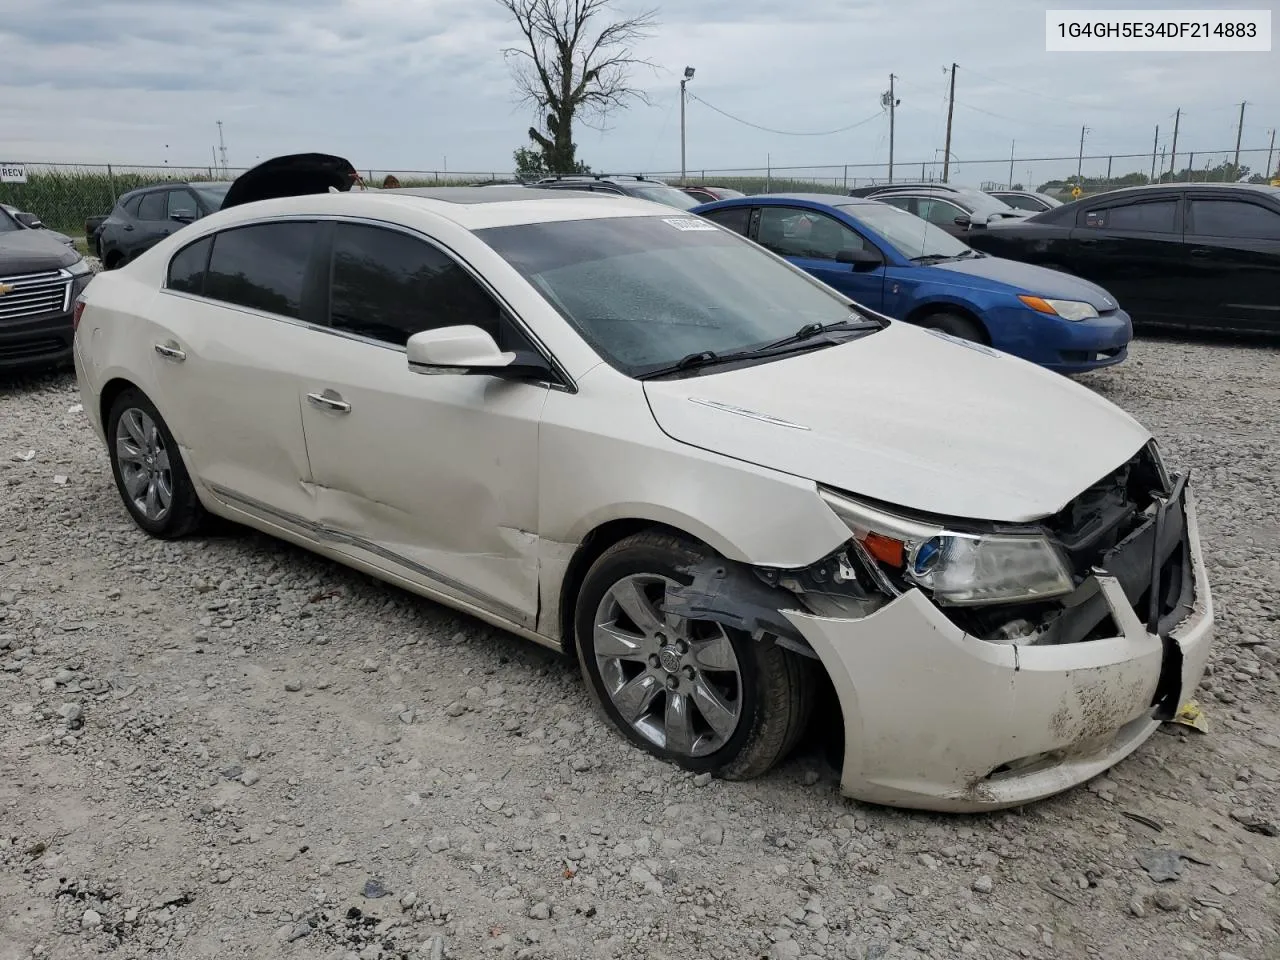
x: 689, y: 223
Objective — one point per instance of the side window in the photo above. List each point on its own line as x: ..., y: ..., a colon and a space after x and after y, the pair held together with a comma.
x: 735, y: 218
x: 789, y: 232
x: 938, y: 212
x: 187, y: 268
x: 389, y: 286
x: 182, y: 203
x: 1234, y: 218
x: 1155, y: 216
x: 263, y: 266
x: 1023, y: 203
x: 131, y: 206
x: 153, y: 205
x: 902, y: 203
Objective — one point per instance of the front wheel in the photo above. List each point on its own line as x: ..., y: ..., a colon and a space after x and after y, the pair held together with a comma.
x: 692, y: 692
x: 956, y: 325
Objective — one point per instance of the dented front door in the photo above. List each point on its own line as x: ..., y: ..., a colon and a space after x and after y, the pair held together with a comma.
x: 434, y: 477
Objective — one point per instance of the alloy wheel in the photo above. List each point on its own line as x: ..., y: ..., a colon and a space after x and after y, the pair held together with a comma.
x: 144, y: 464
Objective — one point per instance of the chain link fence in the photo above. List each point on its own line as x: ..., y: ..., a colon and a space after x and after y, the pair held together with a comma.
x: 64, y: 196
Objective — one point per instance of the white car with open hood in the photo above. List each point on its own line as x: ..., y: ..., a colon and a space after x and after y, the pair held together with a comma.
x: 629, y: 434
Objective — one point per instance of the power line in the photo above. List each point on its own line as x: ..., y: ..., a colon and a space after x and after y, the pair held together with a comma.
x: 785, y: 133
x: 1031, y: 93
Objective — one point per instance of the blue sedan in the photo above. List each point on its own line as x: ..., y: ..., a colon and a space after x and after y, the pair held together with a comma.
x: 898, y: 264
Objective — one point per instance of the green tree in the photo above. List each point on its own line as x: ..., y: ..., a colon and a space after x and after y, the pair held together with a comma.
x: 571, y: 68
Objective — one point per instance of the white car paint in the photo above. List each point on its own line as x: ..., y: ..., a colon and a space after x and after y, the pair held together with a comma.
x: 478, y: 491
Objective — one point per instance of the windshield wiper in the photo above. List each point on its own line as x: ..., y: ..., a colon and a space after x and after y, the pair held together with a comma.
x: 811, y: 330
x: 933, y: 258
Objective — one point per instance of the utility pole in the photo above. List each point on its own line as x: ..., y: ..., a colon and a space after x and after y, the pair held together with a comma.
x: 1012, y: 144
x: 222, y: 149
x: 688, y: 75
x: 1239, y: 133
x: 1271, y: 150
x: 1155, y: 145
x: 1080, y: 159
x: 892, y: 103
x: 951, y: 106
x: 1173, y: 151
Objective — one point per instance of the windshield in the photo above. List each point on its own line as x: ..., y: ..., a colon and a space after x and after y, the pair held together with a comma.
x: 983, y: 203
x: 664, y: 194
x: 212, y: 193
x: 646, y: 292
x: 911, y: 236
x: 7, y: 223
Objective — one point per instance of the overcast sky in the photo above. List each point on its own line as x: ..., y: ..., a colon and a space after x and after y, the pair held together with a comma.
x: 405, y: 84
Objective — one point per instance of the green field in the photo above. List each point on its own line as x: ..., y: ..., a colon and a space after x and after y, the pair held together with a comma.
x: 65, y: 199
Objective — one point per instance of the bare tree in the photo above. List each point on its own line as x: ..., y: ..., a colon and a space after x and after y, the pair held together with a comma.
x: 570, y: 69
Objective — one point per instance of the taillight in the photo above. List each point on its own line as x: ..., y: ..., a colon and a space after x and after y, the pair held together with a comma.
x: 76, y: 313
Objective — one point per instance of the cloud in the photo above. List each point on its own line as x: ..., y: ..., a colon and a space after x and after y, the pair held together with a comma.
x: 423, y: 84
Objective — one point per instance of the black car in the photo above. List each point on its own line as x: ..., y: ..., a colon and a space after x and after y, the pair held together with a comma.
x: 40, y: 278
x: 629, y: 186
x: 1029, y: 200
x: 144, y: 217
x: 29, y: 221
x: 1195, y: 255
x: 961, y: 211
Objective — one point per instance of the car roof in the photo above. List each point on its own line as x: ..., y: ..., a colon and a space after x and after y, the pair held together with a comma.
x: 615, y: 178
x: 825, y: 199
x: 1261, y: 188
x: 472, y: 208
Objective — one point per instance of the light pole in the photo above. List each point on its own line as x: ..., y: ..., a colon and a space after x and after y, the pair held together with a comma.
x: 688, y: 75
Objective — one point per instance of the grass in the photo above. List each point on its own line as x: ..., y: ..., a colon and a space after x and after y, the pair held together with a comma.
x: 64, y: 199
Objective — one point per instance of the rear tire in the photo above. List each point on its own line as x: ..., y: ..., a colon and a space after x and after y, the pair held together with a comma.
x: 699, y: 695
x: 148, y: 468
x: 956, y: 326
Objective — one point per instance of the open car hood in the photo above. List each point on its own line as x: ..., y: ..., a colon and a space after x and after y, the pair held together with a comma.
x: 295, y: 175
x: 910, y: 418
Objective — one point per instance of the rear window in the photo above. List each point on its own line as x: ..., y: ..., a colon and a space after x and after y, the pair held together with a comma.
x: 152, y: 205
x: 263, y: 266
x: 187, y: 268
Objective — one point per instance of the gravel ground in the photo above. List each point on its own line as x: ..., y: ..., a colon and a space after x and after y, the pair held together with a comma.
x: 226, y: 747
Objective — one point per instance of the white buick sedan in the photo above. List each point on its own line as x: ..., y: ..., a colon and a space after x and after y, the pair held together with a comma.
x: 636, y: 437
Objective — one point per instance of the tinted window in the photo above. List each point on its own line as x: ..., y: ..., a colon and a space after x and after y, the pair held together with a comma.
x: 1023, y: 203
x: 187, y: 269
x: 938, y: 212
x: 902, y: 203
x: 212, y: 193
x: 262, y: 266
x: 735, y: 218
x: 389, y: 286
x: 181, y: 203
x: 1156, y: 216
x: 1234, y: 218
x: 152, y: 205
x: 647, y: 291
x: 7, y: 223
x: 790, y: 232
x: 131, y: 205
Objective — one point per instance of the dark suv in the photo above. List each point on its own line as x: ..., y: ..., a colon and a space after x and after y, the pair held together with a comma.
x: 40, y: 278
x: 957, y: 210
x: 629, y: 186
x: 144, y: 217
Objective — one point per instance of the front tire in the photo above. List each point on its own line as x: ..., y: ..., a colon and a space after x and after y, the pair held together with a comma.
x: 148, y: 468
x: 956, y: 325
x: 695, y: 693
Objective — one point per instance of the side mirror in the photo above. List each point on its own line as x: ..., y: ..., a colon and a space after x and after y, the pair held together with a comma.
x: 182, y: 216
x: 468, y: 349
x: 861, y: 260
x: 963, y: 221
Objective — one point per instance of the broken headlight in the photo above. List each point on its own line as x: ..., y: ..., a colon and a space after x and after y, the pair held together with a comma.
x: 957, y: 568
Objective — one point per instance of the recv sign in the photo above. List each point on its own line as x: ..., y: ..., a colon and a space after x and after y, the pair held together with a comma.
x: 13, y: 173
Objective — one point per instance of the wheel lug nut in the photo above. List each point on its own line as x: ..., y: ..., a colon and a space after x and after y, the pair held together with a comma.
x: 690, y: 673
x: 682, y: 647
x: 672, y: 682
x: 654, y: 661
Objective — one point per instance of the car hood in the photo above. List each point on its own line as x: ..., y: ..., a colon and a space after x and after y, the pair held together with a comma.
x: 1028, y: 278
x: 31, y: 251
x: 294, y: 175
x: 909, y: 417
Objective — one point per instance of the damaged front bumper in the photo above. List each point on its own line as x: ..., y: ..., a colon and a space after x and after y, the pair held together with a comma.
x: 937, y: 718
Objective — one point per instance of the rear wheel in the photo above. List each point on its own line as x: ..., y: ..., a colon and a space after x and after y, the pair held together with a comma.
x: 148, y: 468
x: 689, y: 691
x: 956, y: 325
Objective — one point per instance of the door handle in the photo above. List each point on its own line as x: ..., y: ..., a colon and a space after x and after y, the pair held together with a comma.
x: 1201, y: 252
x: 329, y: 400
x: 1088, y: 242
x: 170, y: 352
x: 128, y: 226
